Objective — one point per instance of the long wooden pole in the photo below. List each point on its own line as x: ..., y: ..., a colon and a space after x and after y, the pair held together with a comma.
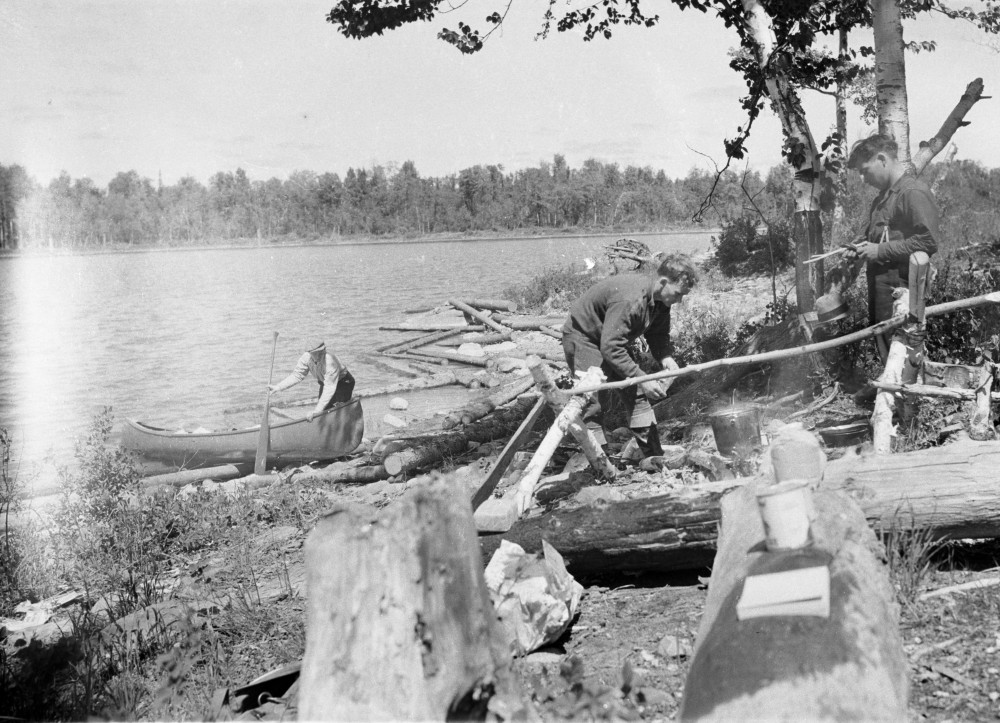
x: 264, y: 437
x: 880, y: 328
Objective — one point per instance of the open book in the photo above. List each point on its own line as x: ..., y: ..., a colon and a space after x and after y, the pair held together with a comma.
x: 805, y: 591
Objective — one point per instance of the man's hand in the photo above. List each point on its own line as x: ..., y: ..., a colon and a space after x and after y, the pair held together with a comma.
x: 653, y: 390
x: 311, y: 416
x: 272, y: 388
x: 867, y: 251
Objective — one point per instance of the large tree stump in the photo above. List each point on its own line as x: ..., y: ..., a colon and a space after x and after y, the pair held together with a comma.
x: 400, y: 624
x: 849, y: 666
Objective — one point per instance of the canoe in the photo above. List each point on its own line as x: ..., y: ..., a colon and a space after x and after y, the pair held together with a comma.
x: 334, y: 433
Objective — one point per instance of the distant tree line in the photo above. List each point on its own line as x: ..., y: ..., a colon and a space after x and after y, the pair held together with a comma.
x: 397, y: 201
x: 135, y: 211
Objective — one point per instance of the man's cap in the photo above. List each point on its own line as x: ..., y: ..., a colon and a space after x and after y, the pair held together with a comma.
x: 318, y: 346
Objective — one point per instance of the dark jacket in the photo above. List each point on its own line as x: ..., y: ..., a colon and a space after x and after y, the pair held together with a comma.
x: 617, y: 310
x: 910, y: 212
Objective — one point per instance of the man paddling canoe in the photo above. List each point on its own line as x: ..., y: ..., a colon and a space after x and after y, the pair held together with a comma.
x: 336, y: 384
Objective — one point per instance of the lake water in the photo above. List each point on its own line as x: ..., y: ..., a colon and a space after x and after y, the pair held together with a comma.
x: 175, y: 337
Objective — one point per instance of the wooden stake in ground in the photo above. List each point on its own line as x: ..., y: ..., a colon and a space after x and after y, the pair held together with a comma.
x: 400, y: 625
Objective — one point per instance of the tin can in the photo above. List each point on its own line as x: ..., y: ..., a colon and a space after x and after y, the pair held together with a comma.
x: 786, y: 509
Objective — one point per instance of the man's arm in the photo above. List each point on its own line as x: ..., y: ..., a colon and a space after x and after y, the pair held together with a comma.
x: 297, y: 375
x: 618, y: 324
x: 921, y: 228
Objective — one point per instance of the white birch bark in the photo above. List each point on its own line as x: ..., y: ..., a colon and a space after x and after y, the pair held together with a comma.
x: 806, y: 185
x: 890, y: 75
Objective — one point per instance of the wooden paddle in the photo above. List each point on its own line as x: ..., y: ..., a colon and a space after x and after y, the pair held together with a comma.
x: 264, y: 439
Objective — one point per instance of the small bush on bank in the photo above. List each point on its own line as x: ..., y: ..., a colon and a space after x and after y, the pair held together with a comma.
x: 741, y: 250
x: 970, y: 336
x: 553, y: 289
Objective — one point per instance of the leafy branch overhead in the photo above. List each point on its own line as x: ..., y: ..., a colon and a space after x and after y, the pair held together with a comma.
x: 798, y: 26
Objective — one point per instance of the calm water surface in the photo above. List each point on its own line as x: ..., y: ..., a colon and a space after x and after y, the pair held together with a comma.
x: 175, y: 337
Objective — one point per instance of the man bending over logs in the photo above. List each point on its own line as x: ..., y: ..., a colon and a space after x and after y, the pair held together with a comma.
x: 606, y: 319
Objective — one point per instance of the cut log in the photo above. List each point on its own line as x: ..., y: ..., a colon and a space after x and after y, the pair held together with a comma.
x: 189, y: 476
x: 947, y: 490
x: 479, y: 361
x: 481, y: 407
x: 492, y: 304
x: 399, y: 624
x: 420, y: 340
x: 849, y: 666
x: 431, y: 326
x: 485, y: 318
x: 351, y: 472
x: 430, y: 449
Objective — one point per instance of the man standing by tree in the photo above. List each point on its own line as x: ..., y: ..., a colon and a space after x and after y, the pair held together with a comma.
x: 903, y: 219
x: 607, y: 318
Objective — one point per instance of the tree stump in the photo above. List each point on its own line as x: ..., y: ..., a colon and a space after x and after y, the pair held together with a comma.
x: 400, y: 625
x: 847, y: 666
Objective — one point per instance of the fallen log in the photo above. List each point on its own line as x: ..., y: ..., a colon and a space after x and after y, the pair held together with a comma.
x: 400, y: 625
x: 427, y: 450
x: 845, y: 665
x: 189, y: 476
x: 432, y: 326
x: 346, y: 473
x: 947, y: 490
x: 479, y: 361
x: 419, y: 341
x: 477, y: 314
x: 481, y: 407
x: 492, y: 304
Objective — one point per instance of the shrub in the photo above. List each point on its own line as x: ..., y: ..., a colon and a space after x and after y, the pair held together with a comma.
x: 972, y: 335
x: 554, y: 288
x: 741, y: 250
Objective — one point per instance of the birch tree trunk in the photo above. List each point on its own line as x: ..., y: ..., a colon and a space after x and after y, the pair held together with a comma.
x: 890, y: 76
x: 804, y: 157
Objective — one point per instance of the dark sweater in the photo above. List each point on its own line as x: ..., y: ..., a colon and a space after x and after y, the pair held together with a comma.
x: 615, y: 311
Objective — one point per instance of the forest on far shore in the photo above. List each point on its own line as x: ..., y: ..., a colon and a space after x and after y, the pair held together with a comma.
x: 397, y: 201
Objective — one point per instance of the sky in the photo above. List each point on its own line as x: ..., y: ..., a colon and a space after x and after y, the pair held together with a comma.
x: 174, y: 88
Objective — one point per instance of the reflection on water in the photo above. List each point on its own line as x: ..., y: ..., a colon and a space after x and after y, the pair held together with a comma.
x: 174, y: 337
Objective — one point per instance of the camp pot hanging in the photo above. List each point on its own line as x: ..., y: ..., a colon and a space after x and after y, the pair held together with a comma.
x: 736, y: 429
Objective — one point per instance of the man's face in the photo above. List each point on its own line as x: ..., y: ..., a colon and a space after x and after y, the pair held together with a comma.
x: 670, y: 292
x: 875, y: 171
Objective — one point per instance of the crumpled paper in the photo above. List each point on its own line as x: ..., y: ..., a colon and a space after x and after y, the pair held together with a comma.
x: 535, y: 598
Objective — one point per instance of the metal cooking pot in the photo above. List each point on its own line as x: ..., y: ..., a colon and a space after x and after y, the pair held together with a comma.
x: 736, y: 430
